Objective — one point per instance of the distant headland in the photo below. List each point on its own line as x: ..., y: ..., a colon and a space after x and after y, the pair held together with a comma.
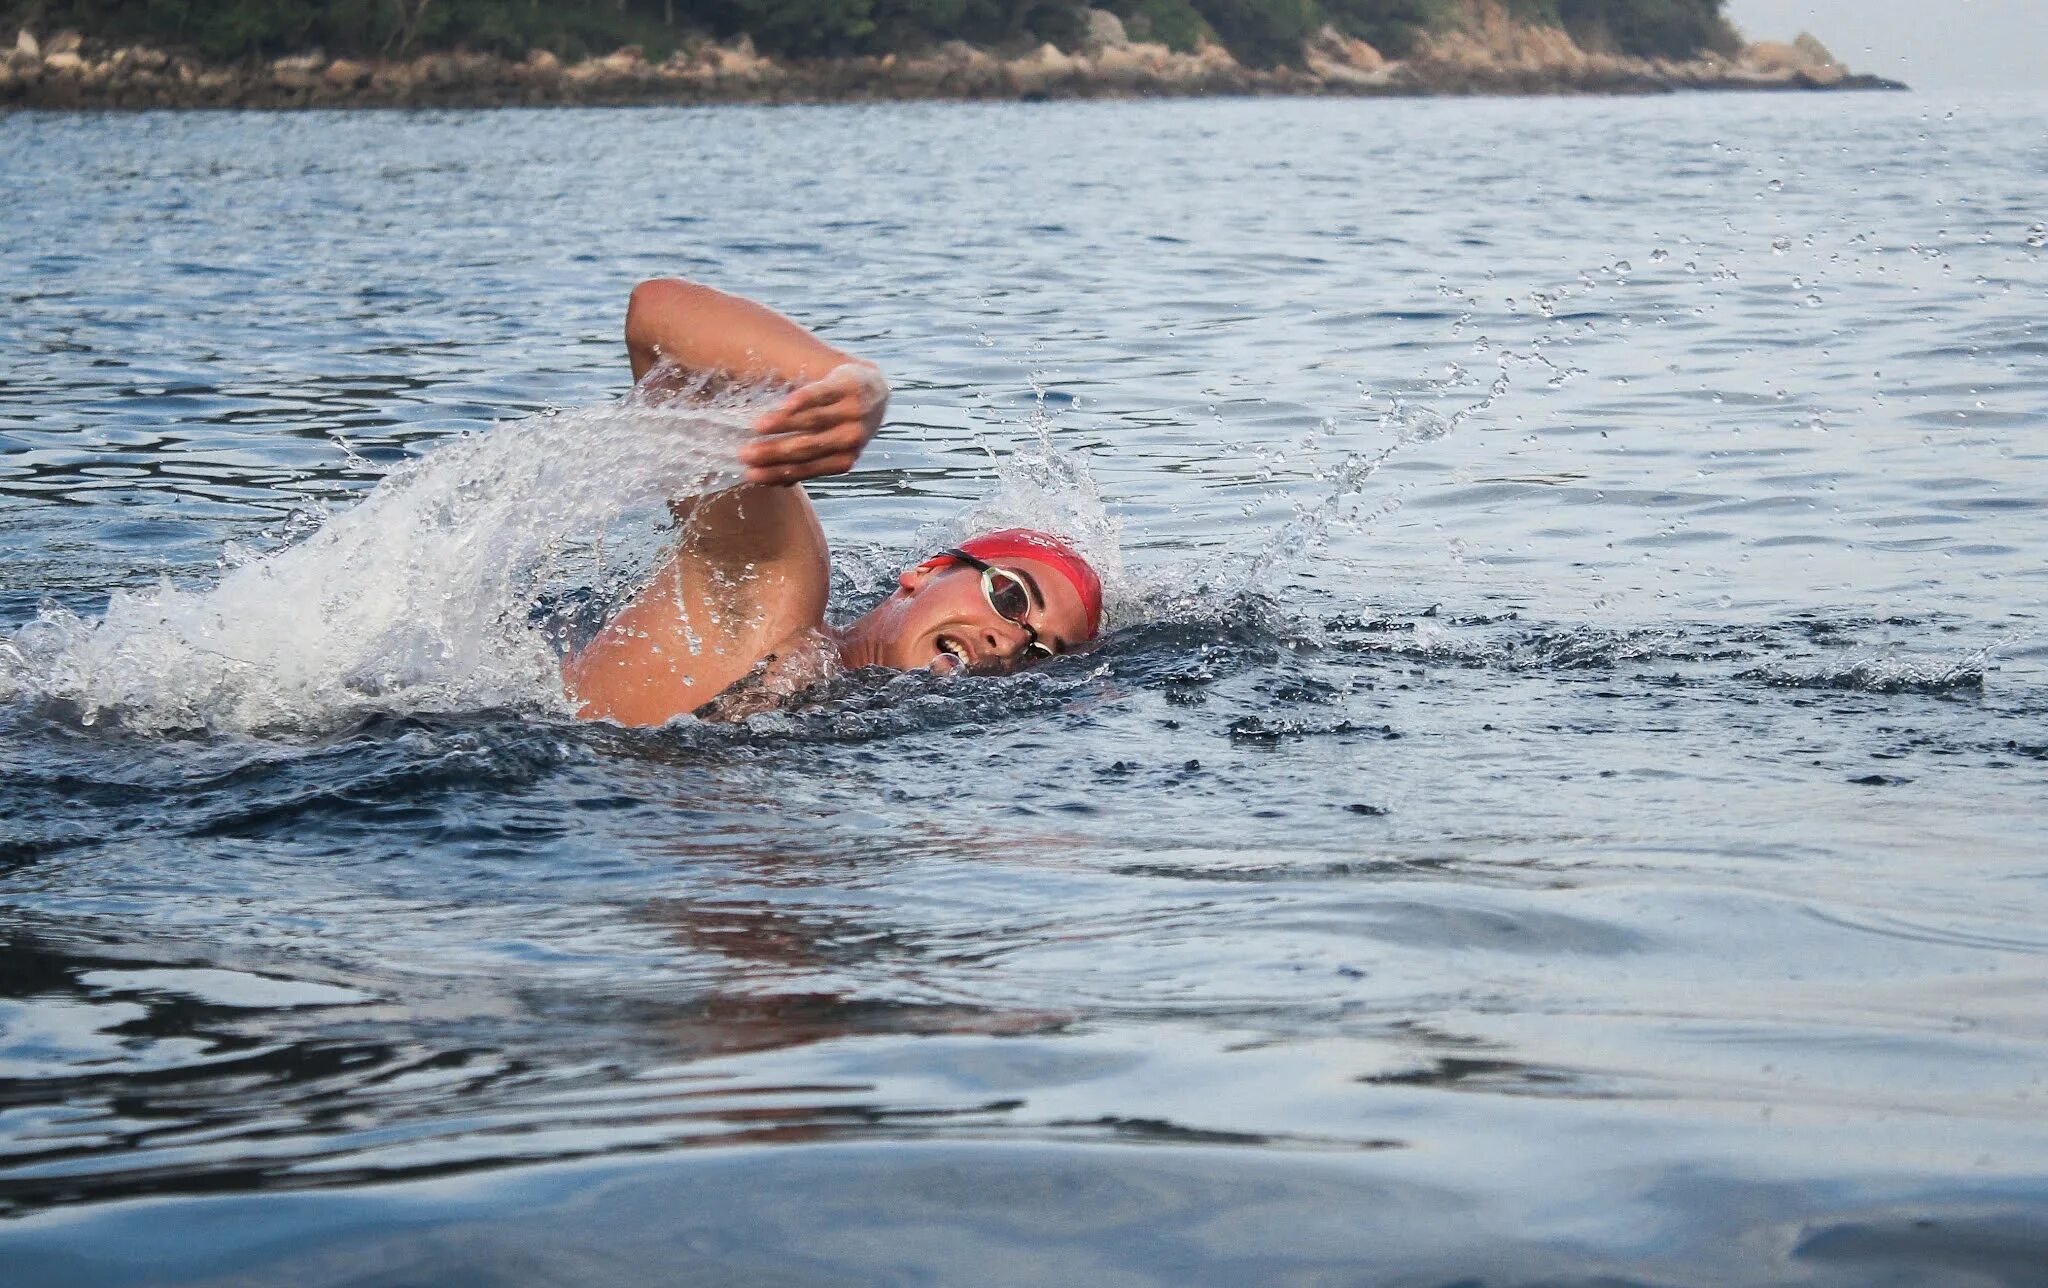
x: 489, y: 53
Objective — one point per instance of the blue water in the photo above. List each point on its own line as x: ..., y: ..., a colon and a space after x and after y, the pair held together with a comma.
x: 1562, y: 801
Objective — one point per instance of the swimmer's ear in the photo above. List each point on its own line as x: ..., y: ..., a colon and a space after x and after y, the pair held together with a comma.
x: 912, y: 578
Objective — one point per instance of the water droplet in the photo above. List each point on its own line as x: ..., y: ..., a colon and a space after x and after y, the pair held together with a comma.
x: 2037, y: 236
x: 1781, y: 245
x: 1776, y: 185
x: 1659, y: 255
x: 1813, y: 301
x: 1623, y: 266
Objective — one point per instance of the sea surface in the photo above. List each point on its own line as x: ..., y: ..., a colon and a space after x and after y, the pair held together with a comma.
x: 1564, y: 799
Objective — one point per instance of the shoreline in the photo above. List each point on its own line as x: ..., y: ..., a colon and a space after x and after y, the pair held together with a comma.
x: 66, y: 73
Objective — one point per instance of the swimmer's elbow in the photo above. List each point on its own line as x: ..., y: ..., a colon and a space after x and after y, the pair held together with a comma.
x: 660, y: 297
x: 655, y: 311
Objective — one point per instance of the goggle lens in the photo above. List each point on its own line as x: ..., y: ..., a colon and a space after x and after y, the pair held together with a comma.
x: 1006, y: 594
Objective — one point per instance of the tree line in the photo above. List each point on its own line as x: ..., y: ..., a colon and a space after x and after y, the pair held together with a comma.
x: 1258, y: 32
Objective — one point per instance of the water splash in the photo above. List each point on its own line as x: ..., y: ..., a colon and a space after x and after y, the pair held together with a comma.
x: 418, y: 598
x: 1043, y: 485
x: 1888, y: 674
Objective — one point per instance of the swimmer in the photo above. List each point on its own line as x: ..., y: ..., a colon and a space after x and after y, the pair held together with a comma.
x: 734, y: 617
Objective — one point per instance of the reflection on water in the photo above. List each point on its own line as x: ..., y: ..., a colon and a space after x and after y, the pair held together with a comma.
x: 1561, y: 803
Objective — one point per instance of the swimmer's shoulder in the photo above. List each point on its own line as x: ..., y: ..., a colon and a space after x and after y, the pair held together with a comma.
x: 800, y: 662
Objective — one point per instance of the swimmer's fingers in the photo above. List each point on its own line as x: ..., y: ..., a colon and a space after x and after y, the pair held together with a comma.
x: 814, y: 419
x: 802, y: 402
x: 784, y: 475
x: 788, y: 458
x: 829, y: 438
x: 819, y: 429
x: 850, y: 391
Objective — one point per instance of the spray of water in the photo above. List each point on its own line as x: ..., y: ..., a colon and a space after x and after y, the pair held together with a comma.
x: 418, y: 598
x: 1041, y: 485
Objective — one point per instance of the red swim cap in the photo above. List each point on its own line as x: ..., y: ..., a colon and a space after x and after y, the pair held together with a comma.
x: 1028, y: 543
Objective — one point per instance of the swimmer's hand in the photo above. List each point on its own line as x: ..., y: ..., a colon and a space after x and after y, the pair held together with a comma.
x: 821, y: 428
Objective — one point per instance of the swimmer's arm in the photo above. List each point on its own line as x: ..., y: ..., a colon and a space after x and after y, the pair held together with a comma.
x: 766, y: 527
x: 702, y: 329
x: 748, y: 577
x: 820, y: 428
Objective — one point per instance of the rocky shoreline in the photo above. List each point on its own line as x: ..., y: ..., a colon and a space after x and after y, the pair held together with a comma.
x: 67, y: 72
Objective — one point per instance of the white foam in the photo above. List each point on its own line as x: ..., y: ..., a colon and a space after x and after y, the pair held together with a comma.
x: 418, y: 598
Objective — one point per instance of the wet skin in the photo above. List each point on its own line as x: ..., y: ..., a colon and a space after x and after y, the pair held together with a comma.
x: 743, y: 592
x: 939, y: 617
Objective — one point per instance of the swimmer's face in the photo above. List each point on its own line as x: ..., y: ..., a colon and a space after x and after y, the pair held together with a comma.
x: 947, y: 615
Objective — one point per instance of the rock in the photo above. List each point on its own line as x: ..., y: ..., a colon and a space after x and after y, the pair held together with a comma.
x: 435, y: 69
x: 1053, y: 60
x: 1334, y: 46
x: 300, y: 71
x: 1216, y: 59
x: 142, y: 58
x: 738, y: 60
x: 1336, y: 59
x: 1344, y: 75
x: 1547, y: 49
x: 1364, y: 57
x: 1815, y: 53
x: 1039, y: 70
x: 1120, y: 67
x: 25, y: 43
x: 477, y: 69
x: 346, y: 73
x: 64, y: 62
x: 1817, y: 67
x: 1494, y: 51
x: 627, y: 59
x: 541, y: 69
x: 1772, y: 57
x: 64, y: 42
x: 1104, y: 30
x: 960, y: 68
x: 1747, y: 77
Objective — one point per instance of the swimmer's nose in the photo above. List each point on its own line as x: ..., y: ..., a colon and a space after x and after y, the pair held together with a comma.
x: 1006, y: 639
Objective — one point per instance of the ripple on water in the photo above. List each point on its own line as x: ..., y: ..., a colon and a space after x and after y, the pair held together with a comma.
x: 1470, y: 823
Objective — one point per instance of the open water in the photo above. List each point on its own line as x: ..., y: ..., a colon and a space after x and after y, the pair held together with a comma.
x: 1565, y: 799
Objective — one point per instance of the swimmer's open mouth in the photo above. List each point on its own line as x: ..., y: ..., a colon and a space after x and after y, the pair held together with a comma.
x: 950, y: 647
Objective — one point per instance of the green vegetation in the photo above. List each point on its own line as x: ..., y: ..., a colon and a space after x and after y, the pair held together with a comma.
x: 1645, y: 28
x: 1261, y: 32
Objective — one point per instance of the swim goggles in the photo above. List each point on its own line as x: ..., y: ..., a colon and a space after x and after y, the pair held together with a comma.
x: 1007, y: 596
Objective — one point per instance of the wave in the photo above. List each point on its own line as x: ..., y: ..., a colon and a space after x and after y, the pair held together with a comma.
x: 1883, y: 675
